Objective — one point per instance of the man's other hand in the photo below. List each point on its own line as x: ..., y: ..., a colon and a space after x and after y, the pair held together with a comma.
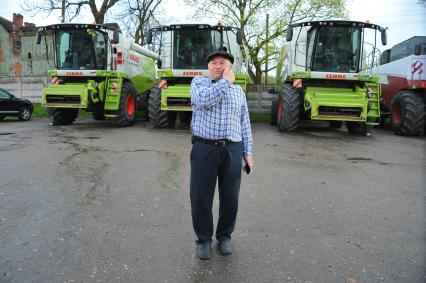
x: 249, y: 161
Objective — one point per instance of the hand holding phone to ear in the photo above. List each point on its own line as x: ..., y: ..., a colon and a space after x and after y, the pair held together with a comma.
x: 228, y: 74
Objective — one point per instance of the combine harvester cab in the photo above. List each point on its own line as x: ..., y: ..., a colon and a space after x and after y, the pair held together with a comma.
x: 96, y: 70
x: 402, y: 73
x: 319, y: 76
x: 183, y: 51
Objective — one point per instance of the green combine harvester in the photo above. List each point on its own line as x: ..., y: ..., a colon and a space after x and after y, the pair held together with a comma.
x: 183, y: 50
x: 323, y: 75
x: 96, y: 70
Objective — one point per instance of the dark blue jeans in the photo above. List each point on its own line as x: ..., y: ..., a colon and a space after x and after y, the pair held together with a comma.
x: 208, y: 164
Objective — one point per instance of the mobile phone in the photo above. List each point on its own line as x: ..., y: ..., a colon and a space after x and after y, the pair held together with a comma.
x: 247, y: 168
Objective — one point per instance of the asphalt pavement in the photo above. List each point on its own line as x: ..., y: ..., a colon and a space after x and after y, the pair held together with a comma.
x: 95, y: 203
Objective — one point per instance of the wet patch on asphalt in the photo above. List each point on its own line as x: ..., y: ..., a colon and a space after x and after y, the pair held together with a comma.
x: 168, y: 177
x: 12, y: 141
x: 359, y: 159
x: 272, y: 145
x: 87, y: 167
x: 140, y: 150
x: 366, y: 159
x: 324, y: 134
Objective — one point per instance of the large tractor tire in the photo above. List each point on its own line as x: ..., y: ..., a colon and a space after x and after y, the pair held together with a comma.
x: 171, y: 116
x: 126, y: 113
x: 274, y: 109
x: 185, y: 117
x: 358, y: 128
x: 288, y: 108
x: 61, y: 116
x: 407, y: 114
x: 335, y: 124
x: 382, y: 122
x: 143, y: 105
x: 98, y: 114
x: 157, y: 117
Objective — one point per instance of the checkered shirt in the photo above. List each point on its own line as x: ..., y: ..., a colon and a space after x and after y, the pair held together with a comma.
x: 220, y: 112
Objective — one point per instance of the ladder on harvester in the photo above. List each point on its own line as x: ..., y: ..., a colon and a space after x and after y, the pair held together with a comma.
x: 373, y: 113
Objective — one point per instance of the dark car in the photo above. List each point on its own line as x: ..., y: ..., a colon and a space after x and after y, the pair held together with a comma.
x: 11, y: 105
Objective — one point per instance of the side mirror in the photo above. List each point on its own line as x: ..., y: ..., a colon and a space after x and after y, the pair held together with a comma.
x: 115, y: 37
x: 384, y: 38
x: 38, y: 37
x: 159, y: 64
x: 239, y: 37
x: 148, y: 39
x: 289, y: 35
x: 29, y: 56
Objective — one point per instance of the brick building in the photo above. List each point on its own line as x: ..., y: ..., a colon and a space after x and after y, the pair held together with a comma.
x: 20, y: 56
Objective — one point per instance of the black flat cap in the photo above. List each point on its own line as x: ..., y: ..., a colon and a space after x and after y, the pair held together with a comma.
x: 222, y: 52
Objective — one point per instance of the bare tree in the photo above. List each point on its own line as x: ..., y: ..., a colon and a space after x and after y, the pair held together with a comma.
x: 99, y: 14
x: 72, y: 8
x: 137, y: 16
x: 250, y: 17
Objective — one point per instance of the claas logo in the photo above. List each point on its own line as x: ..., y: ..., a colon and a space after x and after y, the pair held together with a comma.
x: 335, y: 76
x: 74, y: 73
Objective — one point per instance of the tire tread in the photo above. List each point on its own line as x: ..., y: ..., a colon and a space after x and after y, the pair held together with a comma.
x: 291, y: 107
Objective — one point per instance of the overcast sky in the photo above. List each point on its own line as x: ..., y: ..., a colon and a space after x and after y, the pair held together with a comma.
x: 404, y: 19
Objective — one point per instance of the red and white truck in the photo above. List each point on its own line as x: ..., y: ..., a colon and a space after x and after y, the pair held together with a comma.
x: 402, y: 72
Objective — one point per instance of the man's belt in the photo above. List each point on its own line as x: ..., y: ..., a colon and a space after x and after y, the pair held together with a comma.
x: 212, y: 142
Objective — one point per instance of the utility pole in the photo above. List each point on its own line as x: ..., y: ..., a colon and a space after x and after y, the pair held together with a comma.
x: 266, y: 49
x: 63, y: 11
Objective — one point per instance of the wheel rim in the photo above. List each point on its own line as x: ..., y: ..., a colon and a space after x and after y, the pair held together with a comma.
x: 279, y: 109
x: 25, y: 114
x: 396, y: 114
x: 130, y: 105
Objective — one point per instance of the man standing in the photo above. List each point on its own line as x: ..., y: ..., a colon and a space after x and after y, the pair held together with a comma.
x: 221, y: 138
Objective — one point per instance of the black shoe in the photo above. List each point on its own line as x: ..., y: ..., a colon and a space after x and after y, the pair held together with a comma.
x: 204, y: 251
x: 225, y: 246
